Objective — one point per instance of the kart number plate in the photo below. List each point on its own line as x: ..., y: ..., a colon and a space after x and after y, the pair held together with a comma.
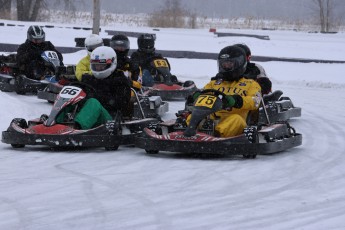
x: 206, y: 101
x: 50, y: 55
x: 69, y: 91
x: 160, y: 63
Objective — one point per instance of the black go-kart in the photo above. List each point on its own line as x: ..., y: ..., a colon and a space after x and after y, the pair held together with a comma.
x: 12, y: 81
x: 166, y: 85
x: 199, y: 137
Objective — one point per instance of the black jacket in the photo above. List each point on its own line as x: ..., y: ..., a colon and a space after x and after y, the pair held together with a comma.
x: 112, y: 92
x: 125, y: 63
x: 144, y: 60
x: 252, y: 71
x: 29, y: 57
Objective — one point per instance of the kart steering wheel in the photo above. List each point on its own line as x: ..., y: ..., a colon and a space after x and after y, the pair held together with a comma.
x: 216, y: 93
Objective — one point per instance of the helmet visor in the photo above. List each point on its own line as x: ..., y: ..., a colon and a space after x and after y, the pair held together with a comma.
x: 90, y: 48
x: 230, y: 64
x: 119, y: 45
x: 37, y: 40
x: 100, y: 65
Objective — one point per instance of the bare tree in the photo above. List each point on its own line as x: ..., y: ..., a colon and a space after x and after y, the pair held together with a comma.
x: 27, y: 10
x: 171, y: 15
x: 5, y: 8
x: 325, y: 11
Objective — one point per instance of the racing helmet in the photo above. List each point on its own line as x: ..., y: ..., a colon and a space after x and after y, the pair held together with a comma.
x: 36, y: 34
x: 146, y: 43
x: 232, y: 63
x: 246, y: 49
x: 120, y: 43
x: 92, y: 42
x: 103, y: 62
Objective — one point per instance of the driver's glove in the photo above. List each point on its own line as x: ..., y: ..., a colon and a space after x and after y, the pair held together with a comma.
x: 230, y: 101
x: 195, y: 95
x: 233, y: 101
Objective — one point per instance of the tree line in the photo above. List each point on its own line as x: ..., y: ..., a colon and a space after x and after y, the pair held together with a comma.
x: 172, y: 14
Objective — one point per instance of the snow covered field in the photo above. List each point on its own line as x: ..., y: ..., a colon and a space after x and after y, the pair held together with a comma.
x: 302, y: 188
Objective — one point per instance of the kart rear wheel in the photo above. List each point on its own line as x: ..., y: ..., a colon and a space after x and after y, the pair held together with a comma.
x: 188, y: 83
x: 248, y: 156
x: 252, y: 134
x: 151, y: 151
x: 17, y: 146
x: 112, y: 148
x: 20, y: 92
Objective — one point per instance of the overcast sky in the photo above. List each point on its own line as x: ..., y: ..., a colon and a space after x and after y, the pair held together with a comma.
x: 280, y: 9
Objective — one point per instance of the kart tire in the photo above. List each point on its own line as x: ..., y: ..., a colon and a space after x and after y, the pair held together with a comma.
x: 252, y: 134
x: 20, y: 92
x: 151, y: 151
x: 112, y: 148
x: 17, y: 146
x: 21, y: 122
x: 18, y: 88
x: 249, y: 156
x: 188, y: 83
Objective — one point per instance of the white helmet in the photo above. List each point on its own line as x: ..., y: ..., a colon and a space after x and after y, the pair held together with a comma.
x: 103, y: 62
x: 92, y: 42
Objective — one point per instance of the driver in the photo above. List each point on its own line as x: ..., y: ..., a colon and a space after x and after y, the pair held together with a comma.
x: 111, y: 91
x: 243, y: 94
x: 29, y: 60
x: 83, y: 67
x: 143, y: 57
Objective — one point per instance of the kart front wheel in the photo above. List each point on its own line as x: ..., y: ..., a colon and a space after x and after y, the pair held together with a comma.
x: 152, y: 151
x: 112, y: 148
x: 17, y: 146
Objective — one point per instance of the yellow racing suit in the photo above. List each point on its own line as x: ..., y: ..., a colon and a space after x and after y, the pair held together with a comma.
x: 83, y: 67
x: 232, y: 121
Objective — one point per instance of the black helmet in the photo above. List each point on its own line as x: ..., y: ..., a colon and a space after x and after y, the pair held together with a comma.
x: 232, y: 63
x: 120, y: 43
x: 146, y: 43
x: 246, y: 49
x: 36, y: 34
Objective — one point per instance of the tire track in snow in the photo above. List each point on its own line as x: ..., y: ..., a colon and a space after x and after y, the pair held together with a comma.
x: 160, y: 217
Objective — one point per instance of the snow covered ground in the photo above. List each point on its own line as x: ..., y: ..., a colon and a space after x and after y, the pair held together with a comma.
x: 302, y: 188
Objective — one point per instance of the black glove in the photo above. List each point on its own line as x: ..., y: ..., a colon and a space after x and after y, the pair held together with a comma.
x: 235, y: 101
x: 86, y: 77
x: 192, y: 97
x: 37, y: 54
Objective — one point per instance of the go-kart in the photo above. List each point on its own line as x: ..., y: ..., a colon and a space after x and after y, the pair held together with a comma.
x: 166, y: 85
x: 151, y: 106
x: 199, y: 136
x: 11, y: 80
x: 46, y: 131
x: 277, y: 107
